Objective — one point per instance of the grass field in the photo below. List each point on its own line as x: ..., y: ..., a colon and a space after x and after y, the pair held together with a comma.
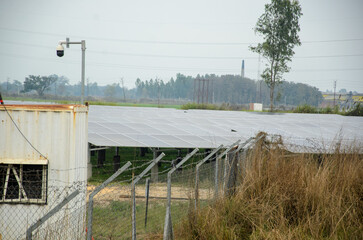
x: 117, y: 215
x: 356, y: 111
x: 113, y: 221
x: 112, y: 207
x: 105, y: 103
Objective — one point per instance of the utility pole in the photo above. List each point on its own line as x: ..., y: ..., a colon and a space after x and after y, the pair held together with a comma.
x: 213, y: 91
x: 208, y: 89
x: 203, y: 91
x: 258, y: 79
x: 335, y: 86
x: 87, y: 88
x: 198, y: 89
x: 123, y: 88
x: 158, y: 95
x: 195, y: 90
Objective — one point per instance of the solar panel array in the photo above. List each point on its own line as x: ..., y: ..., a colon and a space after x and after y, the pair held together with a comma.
x: 173, y: 128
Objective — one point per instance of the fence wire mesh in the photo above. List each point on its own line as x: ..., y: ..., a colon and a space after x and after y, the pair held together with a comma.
x: 112, y: 211
x: 192, y: 188
x: 67, y: 223
x: 113, y: 204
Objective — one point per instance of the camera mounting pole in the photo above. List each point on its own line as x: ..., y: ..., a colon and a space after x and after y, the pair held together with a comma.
x: 83, y: 47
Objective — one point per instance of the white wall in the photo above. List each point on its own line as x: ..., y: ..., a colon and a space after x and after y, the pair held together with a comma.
x: 61, y: 135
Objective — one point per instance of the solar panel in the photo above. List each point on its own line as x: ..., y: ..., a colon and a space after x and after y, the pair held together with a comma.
x: 165, y: 127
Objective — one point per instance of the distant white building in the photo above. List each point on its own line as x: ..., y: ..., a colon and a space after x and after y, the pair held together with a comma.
x: 34, y: 179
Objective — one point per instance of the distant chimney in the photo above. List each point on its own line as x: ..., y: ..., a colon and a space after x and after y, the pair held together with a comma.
x: 243, y: 69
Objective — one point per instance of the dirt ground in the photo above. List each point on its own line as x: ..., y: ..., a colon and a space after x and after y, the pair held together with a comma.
x: 123, y: 193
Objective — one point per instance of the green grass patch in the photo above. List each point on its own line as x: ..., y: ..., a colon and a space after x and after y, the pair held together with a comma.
x: 208, y: 106
x: 305, y: 109
x: 113, y: 221
x: 104, y: 103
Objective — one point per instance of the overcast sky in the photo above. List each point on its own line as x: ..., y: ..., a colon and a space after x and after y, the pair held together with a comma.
x: 160, y: 38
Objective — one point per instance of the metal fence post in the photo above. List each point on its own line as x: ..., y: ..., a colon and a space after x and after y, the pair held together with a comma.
x: 30, y: 230
x: 155, y: 169
x: 97, y: 190
x: 168, y: 228
x: 154, y: 162
x: 231, y: 166
x: 147, y: 191
x: 197, y: 173
x: 226, y: 165
x: 216, y: 176
x: 216, y: 180
x: 243, y: 163
x: 230, y: 181
x: 168, y: 225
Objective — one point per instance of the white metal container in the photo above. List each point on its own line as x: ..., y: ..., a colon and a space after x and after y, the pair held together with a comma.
x: 59, y: 135
x: 257, y: 107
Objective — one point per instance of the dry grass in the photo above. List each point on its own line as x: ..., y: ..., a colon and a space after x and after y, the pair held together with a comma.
x: 287, y: 196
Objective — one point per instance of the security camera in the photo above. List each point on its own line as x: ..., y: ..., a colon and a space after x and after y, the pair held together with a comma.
x: 60, y: 50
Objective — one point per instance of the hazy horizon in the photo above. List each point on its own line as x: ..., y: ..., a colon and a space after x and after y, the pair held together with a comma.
x: 144, y: 39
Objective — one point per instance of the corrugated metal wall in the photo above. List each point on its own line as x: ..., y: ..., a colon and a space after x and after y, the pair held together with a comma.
x: 60, y: 133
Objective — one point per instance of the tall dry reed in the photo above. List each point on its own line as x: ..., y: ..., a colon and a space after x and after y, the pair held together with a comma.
x: 283, y: 195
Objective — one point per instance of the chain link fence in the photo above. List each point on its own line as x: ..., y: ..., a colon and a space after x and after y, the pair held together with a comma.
x: 21, y: 213
x: 194, y: 182
x: 129, y: 204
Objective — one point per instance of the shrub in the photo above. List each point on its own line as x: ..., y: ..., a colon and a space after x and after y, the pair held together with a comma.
x: 305, y: 109
x: 199, y: 106
x: 356, y: 111
x: 223, y: 106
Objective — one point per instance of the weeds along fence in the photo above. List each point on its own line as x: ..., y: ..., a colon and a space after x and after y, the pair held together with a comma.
x: 128, y: 205
x: 308, y: 193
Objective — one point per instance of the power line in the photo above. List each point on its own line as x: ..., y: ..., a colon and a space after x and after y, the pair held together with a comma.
x: 196, y: 69
x: 169, y: 42
x: 328, y: 70
x: 216, y: 57
x: 17, y: 127
x: 336, y: 40
x: 330, y: 56
x: 180, y: 56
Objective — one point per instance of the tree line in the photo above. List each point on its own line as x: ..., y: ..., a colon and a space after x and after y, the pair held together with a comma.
x: 231, y: 89
x: 227, y: 89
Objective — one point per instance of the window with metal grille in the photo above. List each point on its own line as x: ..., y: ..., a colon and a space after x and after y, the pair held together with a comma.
x: 22, y: 183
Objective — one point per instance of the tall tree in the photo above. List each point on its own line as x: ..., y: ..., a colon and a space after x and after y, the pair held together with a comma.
x: 110, y: 90
x: 279, y: 27
x: 38, y: 83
